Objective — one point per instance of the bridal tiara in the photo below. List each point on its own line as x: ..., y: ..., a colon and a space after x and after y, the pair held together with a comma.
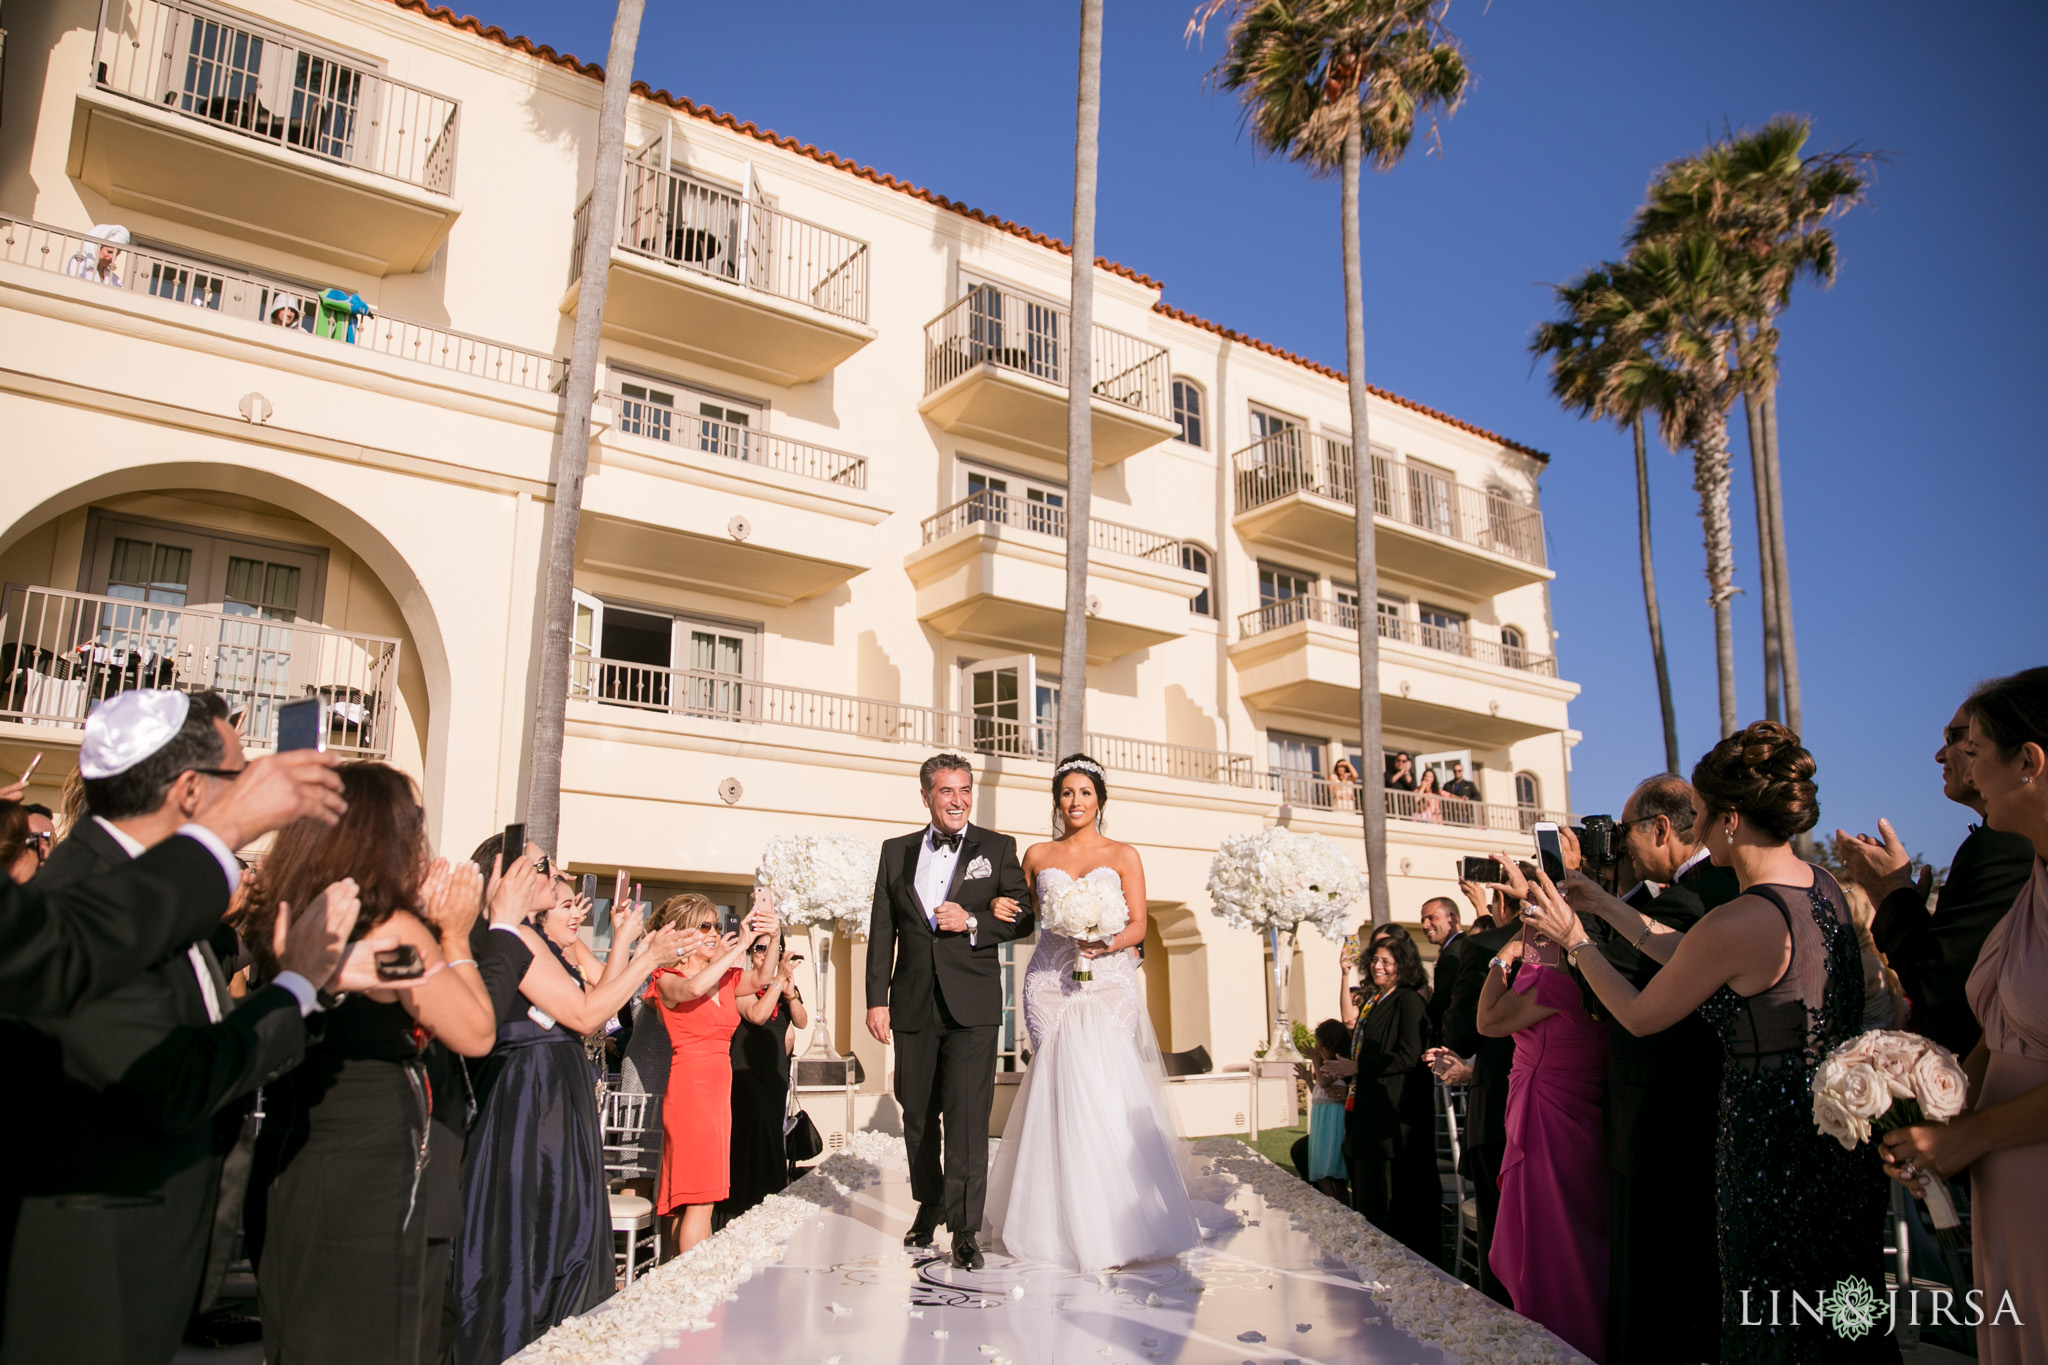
x: 1076, y: 765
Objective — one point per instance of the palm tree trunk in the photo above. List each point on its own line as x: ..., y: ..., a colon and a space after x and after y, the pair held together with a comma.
x: 1767, y: 560
x: 1710, y: 481
x: 1788, y: 650
x: 572, y: 442
x: 1073, y: 717
x: 1372, y: 761
x: 1664, y: 706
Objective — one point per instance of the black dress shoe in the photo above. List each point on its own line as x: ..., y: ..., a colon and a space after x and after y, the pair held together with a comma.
x: 966, y: 1254
x: 922, y: 1227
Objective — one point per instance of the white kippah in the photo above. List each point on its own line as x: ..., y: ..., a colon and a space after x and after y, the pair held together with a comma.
x: 127, y: 728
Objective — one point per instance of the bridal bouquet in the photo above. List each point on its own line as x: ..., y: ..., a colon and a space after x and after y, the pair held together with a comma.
x: 821, y: 879
x: 1085, y: 908
x: 1885, y: 1079
x: 1277, y: 879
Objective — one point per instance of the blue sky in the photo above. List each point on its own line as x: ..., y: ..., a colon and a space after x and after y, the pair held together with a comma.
x: 1912, y: 458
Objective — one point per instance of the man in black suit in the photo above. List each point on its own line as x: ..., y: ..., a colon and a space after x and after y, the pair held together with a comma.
x: 1490, y: 1059
x: 1663, y: 1095
x: 935, y: 986
x: 1440, y: 927
x: 151, y: 1082
x: 1935, y: 953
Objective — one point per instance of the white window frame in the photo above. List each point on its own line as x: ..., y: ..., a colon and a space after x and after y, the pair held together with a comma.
x: 1026, y: 734
x: 1200, y: 413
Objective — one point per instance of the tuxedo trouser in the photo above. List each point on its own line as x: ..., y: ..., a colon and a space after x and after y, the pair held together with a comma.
x: 945, y: 1081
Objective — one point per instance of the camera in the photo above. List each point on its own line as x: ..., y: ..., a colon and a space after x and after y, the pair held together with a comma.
x: 1599, y: 841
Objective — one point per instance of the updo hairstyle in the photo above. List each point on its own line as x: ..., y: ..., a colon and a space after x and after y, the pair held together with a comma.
x: 1088, y: 768
x: 1763, y: 775
x: 2012, y: 711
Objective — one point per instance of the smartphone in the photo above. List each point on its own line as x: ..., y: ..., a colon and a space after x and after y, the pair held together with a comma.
x: 302, y: 724
x: 400, y: 964
x: 1537, y: 948
x: 590, y: 887
x: 730, y: 920
x: 646, y: 907
x: 1550, y: 850
x: 513, y: 848
x: 30, y: 771
x: 1481, y: 870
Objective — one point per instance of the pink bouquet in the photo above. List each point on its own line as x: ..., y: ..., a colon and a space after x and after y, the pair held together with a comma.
x: 1885, y: 1079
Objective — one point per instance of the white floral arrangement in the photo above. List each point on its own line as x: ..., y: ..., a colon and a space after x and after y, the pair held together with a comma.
x: 655, y: 1310
x: 821, y: 879
x: 1416, y: 1296
x: 1887, y: 1079
x: 1085, y: 908
x: 1278, y: 879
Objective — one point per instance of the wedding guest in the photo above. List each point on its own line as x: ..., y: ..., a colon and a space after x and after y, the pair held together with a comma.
x: 1778, y: 973
x: 535, y: 1244
x: 1401, y: 773
x: 760, y: 1080
x: 1491, y: 1064
x: 1429, y: 801
x: 1440, y: 927
x: 1343, y: 785
x: 562, y: 925
x: 2002, y: 1139
x: 355, y: 1181
x: 1319, y: 1157
x: 1463, y: 794
x: 700, y: 998
x: 21, y: 853
x: 1933, y: 951
x: 1550, y: 1237
x: 1881, y: 1009
x: 1390, y: 1109
x: 643, y: 1070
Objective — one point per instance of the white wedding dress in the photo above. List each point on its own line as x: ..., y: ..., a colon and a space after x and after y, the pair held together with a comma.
x: 1089, y: 1174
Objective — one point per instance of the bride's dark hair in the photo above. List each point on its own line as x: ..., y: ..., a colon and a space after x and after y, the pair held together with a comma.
x: 1089, y: 768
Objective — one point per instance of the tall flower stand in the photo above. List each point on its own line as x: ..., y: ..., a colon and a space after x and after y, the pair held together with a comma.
x: 1282, y: 1048
x: 821, y: 1070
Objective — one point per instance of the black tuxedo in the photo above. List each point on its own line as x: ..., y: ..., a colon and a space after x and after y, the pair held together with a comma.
x: 1663, y: 1100
x: 945, y: 1000
x: 1486, y: 1098
x: 122, y: 1199
x: 1934, y: 954
x: 1442, y: 975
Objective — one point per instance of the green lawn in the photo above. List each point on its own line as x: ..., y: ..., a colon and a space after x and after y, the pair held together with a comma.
x: 1273, y: 1144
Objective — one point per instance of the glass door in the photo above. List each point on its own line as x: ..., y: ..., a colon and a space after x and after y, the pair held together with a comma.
x: 718, y: 670
x: 252, y: 661
x: 1004, y: 699
x: 1297, y: 765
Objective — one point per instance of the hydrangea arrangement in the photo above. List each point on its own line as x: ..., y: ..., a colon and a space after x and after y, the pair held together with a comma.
x: 821, y: 879
x: 1085, y: 908
x: 1278, y: 879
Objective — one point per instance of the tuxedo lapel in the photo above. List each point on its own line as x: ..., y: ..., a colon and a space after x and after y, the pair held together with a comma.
x: 968, y: 844
x: 907, y: 878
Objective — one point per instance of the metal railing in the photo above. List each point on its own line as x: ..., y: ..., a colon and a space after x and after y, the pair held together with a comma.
x: 195, y: 283
x: 63, y: 652
x: 663, y: 422
x: 1316, y: 792
x: 991, y: 326
x: 1294, y: 461
x: 724, y: 696
x: 270, y: 85
x: 1344, y: 616
x: 685, y: 222
x: 1050, y: 519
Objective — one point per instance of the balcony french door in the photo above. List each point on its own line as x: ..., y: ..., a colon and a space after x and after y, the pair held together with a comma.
x: 1014, y: 710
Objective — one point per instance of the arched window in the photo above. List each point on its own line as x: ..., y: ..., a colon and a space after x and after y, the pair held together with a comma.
x: 1187, y: 410
x: 1195, y: 559
x: 1528, y: 799
x: 1513, y: 647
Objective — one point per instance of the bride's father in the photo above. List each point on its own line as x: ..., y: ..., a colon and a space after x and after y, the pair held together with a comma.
x: 935, y: 985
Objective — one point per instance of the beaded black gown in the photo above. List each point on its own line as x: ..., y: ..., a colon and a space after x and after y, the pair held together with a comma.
x: 1799, y: 1214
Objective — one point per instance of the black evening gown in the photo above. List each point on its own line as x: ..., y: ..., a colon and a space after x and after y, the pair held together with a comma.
x: 536, y: 1240
x: 760, y: 1091
x: 1798, y: 1212
x: 354, y: 1192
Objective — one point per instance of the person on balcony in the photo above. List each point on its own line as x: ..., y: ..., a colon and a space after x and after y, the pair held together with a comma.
x: 1344, y: 785
x: 99, y: 256
x: 284, y: 310
x: 1428, y: 802
x: 1401, y: 773
x: 1462, y: 789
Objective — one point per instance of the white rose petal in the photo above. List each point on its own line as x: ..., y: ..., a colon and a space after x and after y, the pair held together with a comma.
x: 1939, y: 1084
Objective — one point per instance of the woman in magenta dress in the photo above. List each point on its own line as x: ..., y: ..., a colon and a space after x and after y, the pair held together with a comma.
x: 1550, y: 1237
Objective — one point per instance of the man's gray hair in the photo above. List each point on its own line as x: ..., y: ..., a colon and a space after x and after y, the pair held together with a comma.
x: 1669, y: 796
x: 941, y: 763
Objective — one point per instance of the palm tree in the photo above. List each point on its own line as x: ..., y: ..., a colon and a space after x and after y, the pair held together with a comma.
x: 1598, y: 372
x: 572, y: 442
x: 1768, y: 205
x: 1073, y: 720
x: 1331, y: 84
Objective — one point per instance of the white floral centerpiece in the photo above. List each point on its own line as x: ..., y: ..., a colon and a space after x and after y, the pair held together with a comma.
x: 1276, y: 880
x: 1887, y: 1079
x: 825, y: 882
x: 1085, y: 908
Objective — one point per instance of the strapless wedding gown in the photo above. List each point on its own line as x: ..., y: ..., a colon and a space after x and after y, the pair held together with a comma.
x: 1089, y: 1172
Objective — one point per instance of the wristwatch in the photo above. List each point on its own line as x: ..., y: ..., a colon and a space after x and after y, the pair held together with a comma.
x: 972, y: 924
x: 1499, y: 962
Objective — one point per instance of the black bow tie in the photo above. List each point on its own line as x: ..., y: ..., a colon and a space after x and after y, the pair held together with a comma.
x: 941, y: 839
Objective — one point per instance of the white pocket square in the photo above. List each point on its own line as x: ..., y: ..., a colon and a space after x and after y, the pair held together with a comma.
x: 977, y: 869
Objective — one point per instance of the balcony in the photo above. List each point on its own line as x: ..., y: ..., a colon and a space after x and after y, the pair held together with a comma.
x: 1312, y: 791
x: 993, y: 570
x: 721, y: 508
x: 1299, y: 492
x: 995, y: 369
x: 183, y: 283
x: 265, y: 135
x: 700, y: 272
x: 61, y: 653
x: 1299, y: 657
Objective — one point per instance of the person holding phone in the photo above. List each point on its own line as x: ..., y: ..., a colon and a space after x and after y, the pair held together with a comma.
x: 760, y: 1079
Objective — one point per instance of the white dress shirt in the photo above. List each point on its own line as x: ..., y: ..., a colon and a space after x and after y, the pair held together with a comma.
x: 935, y: 875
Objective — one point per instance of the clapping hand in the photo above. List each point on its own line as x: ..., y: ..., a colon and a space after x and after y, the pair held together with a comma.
x: 310, y: 943
x: 512, y: 888
x: 1880, y: 866
x: 451, y: 896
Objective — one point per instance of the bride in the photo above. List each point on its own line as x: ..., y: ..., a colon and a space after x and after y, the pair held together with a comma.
x: 1089, y: 1172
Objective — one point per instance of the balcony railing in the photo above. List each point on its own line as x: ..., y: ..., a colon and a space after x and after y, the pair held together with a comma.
x: 1344, y: 616
x: 710, y: 230
x: 723, y: 696
x: 1050, y: 519
x: 1294, y: 461
x: 62, y: 652
x: 195, y: 283
x: 663, y: 422
x: 272, y: 86
x: 1316, y: 792
x: 991, y: 326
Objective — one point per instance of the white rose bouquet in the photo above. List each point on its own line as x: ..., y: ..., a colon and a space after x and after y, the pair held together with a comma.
x: 1277, y: 879
x: 821, y: 879
x: 1886, y: 1079
x: 1085, y: 908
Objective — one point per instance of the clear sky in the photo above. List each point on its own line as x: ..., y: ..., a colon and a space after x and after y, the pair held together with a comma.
x: 1914, y: 479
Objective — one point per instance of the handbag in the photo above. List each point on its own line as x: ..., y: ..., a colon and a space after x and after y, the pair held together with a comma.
x: 800, y: 1139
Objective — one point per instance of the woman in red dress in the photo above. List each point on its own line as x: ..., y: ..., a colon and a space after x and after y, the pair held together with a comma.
x: 700, y: 1007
